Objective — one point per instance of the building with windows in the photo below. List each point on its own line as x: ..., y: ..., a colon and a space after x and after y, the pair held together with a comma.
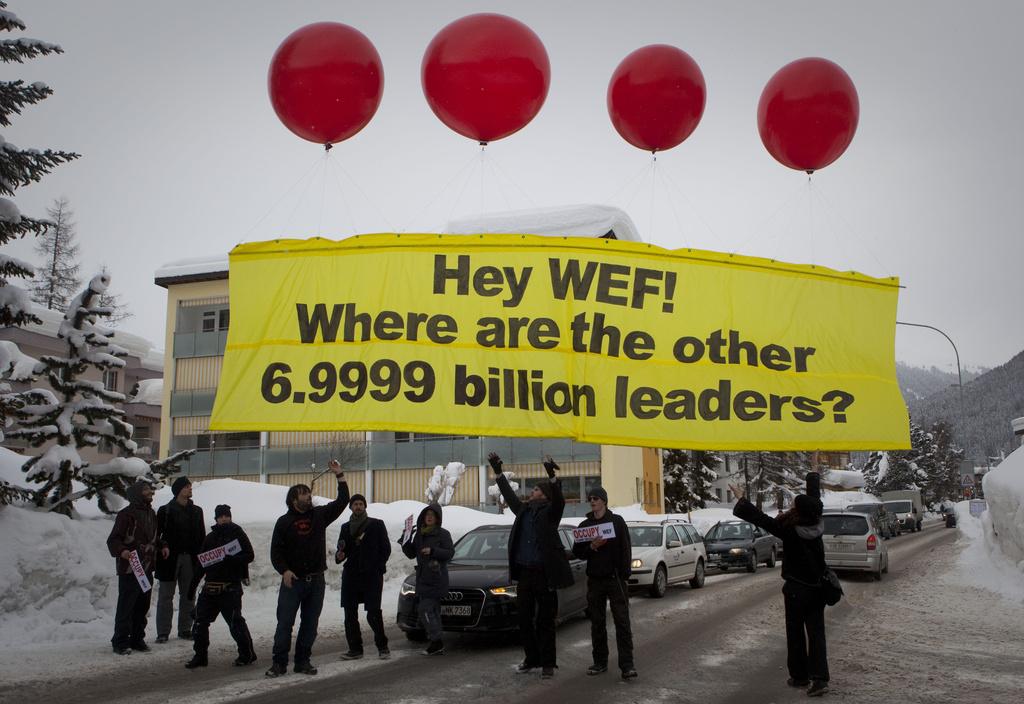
x: 384, y: 466
x: 137, y: 380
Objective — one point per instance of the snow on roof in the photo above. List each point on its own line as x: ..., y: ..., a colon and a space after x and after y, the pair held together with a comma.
x: 844, y: 478
x: 193, y: 266
x: 564, y: 220
x: 149, y: 358
x: 151, y: 391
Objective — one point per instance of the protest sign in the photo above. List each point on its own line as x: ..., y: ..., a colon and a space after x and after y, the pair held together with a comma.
x: 588, y: 533
x: 139, y: 571
x: 212, y: 557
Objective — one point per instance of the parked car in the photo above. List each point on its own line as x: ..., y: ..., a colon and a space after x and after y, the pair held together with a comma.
x: 852, y: 543
x: 666, y: 553
x: 887, y: 522
x: 481, y: 596
x: 740, y: 544
x: 949, y: 515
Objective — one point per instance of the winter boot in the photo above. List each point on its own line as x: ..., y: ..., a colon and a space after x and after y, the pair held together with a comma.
x: 792, y: 682
x: 243, y: 660
x: 436, y: 647
x: 547, y: 673
x: 524, y: 667
x: 352, y: 655
x: 197, y: 661
x: 596, y: 669
x: 629, y: 674
x: 122, y: 651
x: 384, y: 653
x: 818, y: 687
x: 140, y: 647
x: 277, y: 669
x: 304, y: 668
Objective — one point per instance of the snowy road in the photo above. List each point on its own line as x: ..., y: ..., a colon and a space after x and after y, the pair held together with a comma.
x: 916, y: 635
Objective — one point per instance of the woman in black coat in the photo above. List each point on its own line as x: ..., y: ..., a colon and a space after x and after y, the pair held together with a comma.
x: 431, y: 546
x: 800, y: 529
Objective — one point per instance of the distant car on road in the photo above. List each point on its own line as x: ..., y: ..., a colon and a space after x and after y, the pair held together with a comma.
x: 481, y: 596
x: 666, y: 553
x: 907, y: 506
x: 740, y: 544
x: 887, y: 522
x: 852, y: 543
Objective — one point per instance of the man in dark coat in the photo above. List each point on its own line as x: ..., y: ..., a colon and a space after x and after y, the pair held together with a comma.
x: 298, y: 551
x: 609, y: 563
x: 364, y: 547
x: 431, y: 546
x: 800, y: 529
x: 538, y: 564
x: 182, y: 528
x: 222, y: 592
x: 134, y: 531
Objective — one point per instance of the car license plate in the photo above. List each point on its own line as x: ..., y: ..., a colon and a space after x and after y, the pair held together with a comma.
x: 457, y: 610
x: 713, y: 558
x: 838, y: 547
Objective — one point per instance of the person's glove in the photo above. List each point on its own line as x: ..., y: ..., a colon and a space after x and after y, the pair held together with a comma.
x: 495, y: 462
x: 550, y: 466
x: 814, y: 485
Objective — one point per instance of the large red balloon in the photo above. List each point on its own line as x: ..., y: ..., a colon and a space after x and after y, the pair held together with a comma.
x: 808, y: 114
x: 486, y: 76
x: 325, y: 82
x: 656, y: 97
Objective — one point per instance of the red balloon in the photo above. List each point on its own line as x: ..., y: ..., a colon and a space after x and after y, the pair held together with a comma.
x: 656, y: 97
x: 325, y: 82
x: 486, y: 76
x: 808, y: 114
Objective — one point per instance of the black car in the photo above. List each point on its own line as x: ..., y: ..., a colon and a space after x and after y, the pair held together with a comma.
x: 740, y: 544
x: 481, y: 597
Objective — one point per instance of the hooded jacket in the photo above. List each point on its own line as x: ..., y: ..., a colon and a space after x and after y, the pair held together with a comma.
x: 612, y: 558
x: 432, y: 569
x: 299, y: 542
x: 134, y: 529
x: 233, y: 568
x: 546, y: 516
x: 801, y: 543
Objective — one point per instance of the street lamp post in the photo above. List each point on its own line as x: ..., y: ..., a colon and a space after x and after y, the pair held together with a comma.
x: 959, y: 374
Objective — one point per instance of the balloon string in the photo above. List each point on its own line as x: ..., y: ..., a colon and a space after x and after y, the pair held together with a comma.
x: 810, y: 218
x: 667, y: 175
x: 366, y: 199
x: 280, y: 198
x: 851, y: 233
x: 323, y: 191
x: 497, y: 186
x: 663, y: 174
x: 344, y: 201
x: 639, y: 186
x: 444, y: 189
x: 495, y: 164
x: 462, y: 191
x: 302, y: 196
x: 483, y: 163
x: 628, y: 182
x: 654, y: 181
x: 758, y: 232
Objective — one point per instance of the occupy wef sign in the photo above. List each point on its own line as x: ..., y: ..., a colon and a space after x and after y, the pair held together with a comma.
x: 599, y: 340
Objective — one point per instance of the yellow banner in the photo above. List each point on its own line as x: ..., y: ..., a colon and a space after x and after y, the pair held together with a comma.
x: 600, y: 340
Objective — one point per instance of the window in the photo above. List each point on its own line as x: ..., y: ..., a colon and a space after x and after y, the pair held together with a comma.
x: 718, y: 494
x: 694, y: 535
x: 223, y: 319
x: 681, y: 535
x: 110, y: 380
x: 209, y: 321
x: 227, y: 441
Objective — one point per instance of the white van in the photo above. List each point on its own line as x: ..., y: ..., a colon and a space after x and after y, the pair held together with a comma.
x: 907, y: 506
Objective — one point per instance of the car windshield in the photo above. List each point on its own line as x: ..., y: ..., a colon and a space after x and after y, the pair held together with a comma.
x: 845, y: 525
x: 899, y: 506
x: 645, y: 536
x: 731, y: 531
x: 484, y: 546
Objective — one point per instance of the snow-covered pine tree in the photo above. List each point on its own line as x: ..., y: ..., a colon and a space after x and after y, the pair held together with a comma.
x: 907, y: 469
x: 875, y: 469
x: 20, y: 167
x: 688, y: 475
x: 118, y: 308
x: 79, y: 412
x: 57, y: 278
x: 773, y: 476
x: 495, y: 491
x: 944, y: 482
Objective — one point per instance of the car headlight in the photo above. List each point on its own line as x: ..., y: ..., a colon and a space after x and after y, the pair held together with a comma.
x: 636, y: 563
x: 510, y: 590
x: 737, y: 551
x: 408, y: 589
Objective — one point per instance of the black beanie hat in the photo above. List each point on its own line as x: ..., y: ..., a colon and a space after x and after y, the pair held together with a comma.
x: 357, y: 497
x: 179, y: 484
x: 222, y: 510
x: 600, y: 493
x: 545, y: 487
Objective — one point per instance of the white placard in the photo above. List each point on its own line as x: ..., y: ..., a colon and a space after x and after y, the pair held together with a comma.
x: 212, y: 557
x: 408, y: 530
x: 588, y: 533
x: 140, y: 571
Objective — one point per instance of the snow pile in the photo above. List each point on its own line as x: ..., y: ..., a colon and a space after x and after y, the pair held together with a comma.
x: 844, y: 478
x: 150, y: 391
x: 842, y: 499
x: 702, y: 519
x: 559, y: 221
x: 994, y: 555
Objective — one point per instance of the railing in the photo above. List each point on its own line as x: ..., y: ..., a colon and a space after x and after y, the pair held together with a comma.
x: 200, y: 344
x: 192, y: 403
x: 388, y: 454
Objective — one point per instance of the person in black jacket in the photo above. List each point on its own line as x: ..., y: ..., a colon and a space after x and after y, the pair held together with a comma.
x: 298, y: 551
x: 134, y: 531
x: 431, y: 546
x: 537, y: 563
x: 800, y: 529
x: 364, y: 547
x: 222, y: 591
x: 182, y: 528
x: 608, y: 570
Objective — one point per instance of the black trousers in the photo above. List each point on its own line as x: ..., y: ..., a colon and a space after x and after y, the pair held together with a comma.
x: 806, y: 655
x: 375, y: 619
x: 132, y: 613
x: 228, y: 604
x: 538, y: 606
x: 602, y: 591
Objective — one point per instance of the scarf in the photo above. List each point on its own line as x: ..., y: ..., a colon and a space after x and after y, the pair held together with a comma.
x: 356, y: 522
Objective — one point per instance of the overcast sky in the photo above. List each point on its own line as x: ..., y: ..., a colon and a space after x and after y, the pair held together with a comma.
x: 182, y: 155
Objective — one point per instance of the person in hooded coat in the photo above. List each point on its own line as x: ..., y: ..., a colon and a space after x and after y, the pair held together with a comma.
x: 537, y: 563
x: 134, y: 531
x: 431, y: 546
x: 800, y: 529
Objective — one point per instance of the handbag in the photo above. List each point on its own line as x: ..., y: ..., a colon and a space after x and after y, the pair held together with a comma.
x: 831, y: 589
